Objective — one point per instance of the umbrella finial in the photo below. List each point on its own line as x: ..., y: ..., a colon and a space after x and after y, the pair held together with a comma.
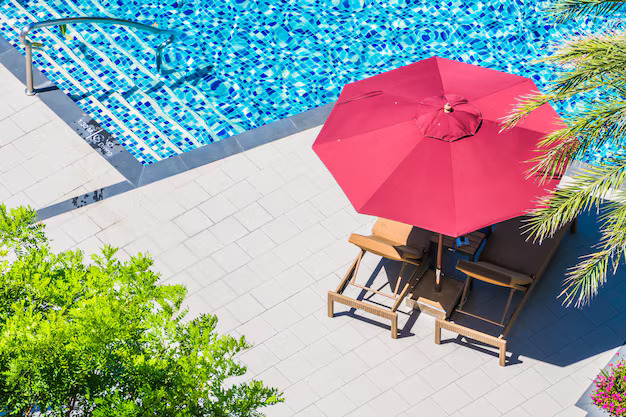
x: 447, y: 108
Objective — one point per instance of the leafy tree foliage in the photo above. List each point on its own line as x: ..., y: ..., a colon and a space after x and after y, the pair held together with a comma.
x: 102, y: 339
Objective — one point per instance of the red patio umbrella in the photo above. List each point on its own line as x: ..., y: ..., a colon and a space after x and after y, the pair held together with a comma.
x: 422, y: 145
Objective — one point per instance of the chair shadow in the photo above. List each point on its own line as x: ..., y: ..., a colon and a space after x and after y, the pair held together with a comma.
x: 392, y: 272
x: 546, y: 330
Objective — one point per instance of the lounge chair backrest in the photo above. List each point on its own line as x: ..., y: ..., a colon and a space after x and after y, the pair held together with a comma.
x: 509, y: 248
x: 402, y: 233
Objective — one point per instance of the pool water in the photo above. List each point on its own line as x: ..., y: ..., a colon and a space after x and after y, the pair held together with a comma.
x: 240, y: 64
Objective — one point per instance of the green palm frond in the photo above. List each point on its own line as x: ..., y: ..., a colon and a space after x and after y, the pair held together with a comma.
x: 586, y: 131
x: 594, y: 126
x: 592, y: 70
x: 594, y: 66
x: 588, y: 188
x: 569, y: 9
x: 593, y: 61
x: 589, y: 64
x: 552, y: 162
x: 584, y: 280
x: 524, y: 106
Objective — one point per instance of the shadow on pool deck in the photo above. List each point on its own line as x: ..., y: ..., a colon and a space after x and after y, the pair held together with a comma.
x: 546, y: 331
x: 560, y: 335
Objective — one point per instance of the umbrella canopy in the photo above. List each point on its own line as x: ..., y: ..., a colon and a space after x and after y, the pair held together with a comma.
x: 422, y: 145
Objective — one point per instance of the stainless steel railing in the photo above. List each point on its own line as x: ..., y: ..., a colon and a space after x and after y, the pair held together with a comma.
x: 30, y: 89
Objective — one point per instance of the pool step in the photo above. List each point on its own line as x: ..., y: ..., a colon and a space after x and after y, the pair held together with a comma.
x: 227, y: 120
x: 229, y: 117
x: 103, y: 83
x: 140, y: 70
x: 142, y: 87
x: 180, y: 80
x: 170, y: 112
x: 151, y: 108
x: 77, y: 90
x: 57, y: 52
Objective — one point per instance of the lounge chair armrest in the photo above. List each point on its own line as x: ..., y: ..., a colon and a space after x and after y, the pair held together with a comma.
x: 484, y: 271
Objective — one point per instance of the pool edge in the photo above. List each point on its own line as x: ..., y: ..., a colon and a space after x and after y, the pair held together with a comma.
x: 122, y: 160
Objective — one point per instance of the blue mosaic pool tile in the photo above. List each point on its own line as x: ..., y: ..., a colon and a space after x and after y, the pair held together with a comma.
x: 239, y: 64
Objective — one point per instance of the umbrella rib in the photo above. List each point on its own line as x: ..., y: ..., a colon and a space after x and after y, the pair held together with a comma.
x: 385, y: 126
x: 363, y: 133
x: 454, y: 216
x: 398, y: 165
x: 443, y: 90
x: 502, y: 89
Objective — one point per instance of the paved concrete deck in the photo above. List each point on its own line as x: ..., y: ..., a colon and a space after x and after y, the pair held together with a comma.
x: 42, y: 160
x: 260, y: 237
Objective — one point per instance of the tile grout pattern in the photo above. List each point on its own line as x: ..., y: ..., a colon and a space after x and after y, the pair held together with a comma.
x: 260, y: 237
x: 42, y: 161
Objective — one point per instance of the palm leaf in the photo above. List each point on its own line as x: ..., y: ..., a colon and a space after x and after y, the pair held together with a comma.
x: 591, y: 68
x: 594, y: 63
x: 584, y: 280
x: 596, y: 59
x: 588, y: 131
x: 594, y: 127
x: 551, y: 163
x: 588, y: 188
x: 570, y: 9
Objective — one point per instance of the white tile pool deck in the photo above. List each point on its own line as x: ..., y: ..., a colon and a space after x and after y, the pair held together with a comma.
x: 260, y: 237
x: 42, y: 160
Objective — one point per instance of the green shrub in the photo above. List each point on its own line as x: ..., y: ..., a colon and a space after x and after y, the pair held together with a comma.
x: 104, y: 340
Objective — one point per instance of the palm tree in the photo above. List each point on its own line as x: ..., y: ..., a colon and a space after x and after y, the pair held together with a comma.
x: 592, y: 69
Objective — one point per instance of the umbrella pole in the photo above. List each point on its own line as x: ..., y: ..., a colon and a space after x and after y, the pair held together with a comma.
x: 438, y: 270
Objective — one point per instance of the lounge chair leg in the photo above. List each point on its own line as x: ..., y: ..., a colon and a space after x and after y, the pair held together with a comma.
x: 437, y: 332
x: 468, y: 282
x: 394, y: 327
x: 399, y: 299
x: 395, y: 291
x: 503, y: 354
x: 508, y: 304
x: 331, y: 306
x: 350, y: 274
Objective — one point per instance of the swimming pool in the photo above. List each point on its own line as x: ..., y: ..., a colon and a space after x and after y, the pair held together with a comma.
x: 240, y: 64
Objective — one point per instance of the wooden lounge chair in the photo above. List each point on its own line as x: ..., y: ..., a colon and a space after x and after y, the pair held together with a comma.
x: 392, y: 240
x: 510, y: 261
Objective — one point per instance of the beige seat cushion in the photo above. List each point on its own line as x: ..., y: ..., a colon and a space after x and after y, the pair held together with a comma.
x: 401, y: 234
x: 387, y: 248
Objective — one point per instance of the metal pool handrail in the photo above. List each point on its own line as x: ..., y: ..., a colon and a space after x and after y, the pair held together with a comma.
x: 30, y: 90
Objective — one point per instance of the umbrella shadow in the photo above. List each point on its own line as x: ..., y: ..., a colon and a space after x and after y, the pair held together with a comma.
x: 546, y: 330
